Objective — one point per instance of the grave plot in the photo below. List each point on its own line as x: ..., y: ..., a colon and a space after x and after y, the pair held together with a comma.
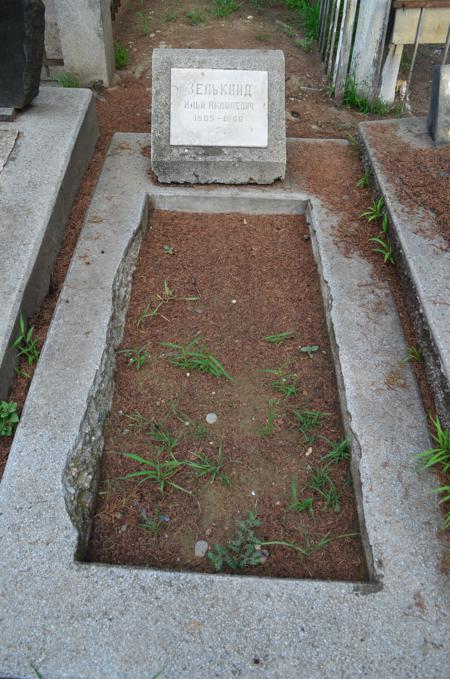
x: 49, y: 483
x: 226, y: 409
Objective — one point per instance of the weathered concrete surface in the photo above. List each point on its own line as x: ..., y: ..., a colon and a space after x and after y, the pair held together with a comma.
x: 85, y: 33
x: 424, y: 259
x: 37, y: 187
x: 217, y: 164
x: 85, y: 621
x: 438, y: 121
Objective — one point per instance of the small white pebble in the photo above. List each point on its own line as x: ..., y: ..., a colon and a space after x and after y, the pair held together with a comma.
x: 211, y: 418
x: 253, y: 492
x: 233, y: 301
x: 213, y: 393
x: 188, y: 374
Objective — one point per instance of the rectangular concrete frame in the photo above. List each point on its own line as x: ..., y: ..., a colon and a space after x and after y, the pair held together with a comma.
x: 213, y: 164
x: 424, y: 259
x: 57, y: 135
x: 75, y: 620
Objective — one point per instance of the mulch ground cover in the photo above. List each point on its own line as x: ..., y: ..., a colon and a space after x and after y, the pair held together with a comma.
x: 259, y: 280
x: 420, y: 176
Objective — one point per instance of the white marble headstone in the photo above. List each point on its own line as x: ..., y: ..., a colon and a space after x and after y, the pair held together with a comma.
x: 219, y: 107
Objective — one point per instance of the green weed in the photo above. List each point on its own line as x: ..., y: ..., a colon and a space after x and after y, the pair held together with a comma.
x: 195, y: 16
x: 69, y: 80
x: 306, y: 44
x: 166, y: 297
x: 308, y: 421
x: 322, y: 484
x: 354, y: 99
x: 204, y: 466
x: 195, y: 356
x: 339, y: 452
x: 300, y: 504
x: 285, y: 384
x: 169, y: 250
x: 197, y: 430
x: 414, y: 355
x: 241, y: 551
x: 223, y: 8
x: 120, y: 56
x: 308, y: 14
x: 269, y: 427
x: 439, y: 456
x: 279, y: 338
x: 375, y: 212
x: 136, y: 357
x: 142, y: 22
x: 26, y: 344
x: 155, y: 524
x: 169, y: 16
x: 364, y: 181
x: 384, y: 248
x: 446, y: 498
x: 309, y: 349
x: 9, y: 418
x: 157, y: 471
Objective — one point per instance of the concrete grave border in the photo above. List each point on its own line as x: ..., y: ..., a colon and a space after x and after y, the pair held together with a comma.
x: 86, y: 621
x: 424, y: 260
x: 56, y: 137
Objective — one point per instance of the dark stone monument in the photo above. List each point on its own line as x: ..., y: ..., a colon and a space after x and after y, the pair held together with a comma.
x: 439, y: 116
x: 22, y: 28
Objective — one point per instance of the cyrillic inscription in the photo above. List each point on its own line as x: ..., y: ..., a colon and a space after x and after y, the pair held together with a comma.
x: 218, y: 107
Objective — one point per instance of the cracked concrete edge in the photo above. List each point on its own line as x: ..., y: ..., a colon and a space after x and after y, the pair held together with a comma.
x: 47, y: 225
x: 414, y: 251
x: 202, y: 625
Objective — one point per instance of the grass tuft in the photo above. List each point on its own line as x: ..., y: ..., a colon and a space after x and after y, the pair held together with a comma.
x: 307, y: 422
x: 195, y: 356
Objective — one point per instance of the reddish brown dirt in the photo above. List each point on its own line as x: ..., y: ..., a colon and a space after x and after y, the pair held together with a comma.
x: 266, y: 265
x: 310, y: 111
x: 420, y: 176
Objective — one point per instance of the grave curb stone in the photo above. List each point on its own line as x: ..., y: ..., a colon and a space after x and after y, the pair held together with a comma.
x: 417, y: 242
x: 218, y: 164
x: 38, y: 184
x: 438, y: 121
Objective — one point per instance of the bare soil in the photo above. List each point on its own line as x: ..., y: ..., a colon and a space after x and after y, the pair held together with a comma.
x: 259, y: 280
x: 419, y: 176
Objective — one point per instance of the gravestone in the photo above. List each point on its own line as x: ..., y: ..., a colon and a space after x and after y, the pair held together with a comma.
x: 22, y: 29
x: 439, y: 116
x: 218, y: 116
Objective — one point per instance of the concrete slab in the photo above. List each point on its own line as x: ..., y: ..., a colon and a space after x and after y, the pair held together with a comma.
x: 88, y: 621
x: 424, y: 259
x: 56, y: 137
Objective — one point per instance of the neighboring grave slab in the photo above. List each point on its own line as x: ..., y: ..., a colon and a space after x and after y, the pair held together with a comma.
x: 439, y: 116
x: 218, y: 116
x: 22, y: 29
